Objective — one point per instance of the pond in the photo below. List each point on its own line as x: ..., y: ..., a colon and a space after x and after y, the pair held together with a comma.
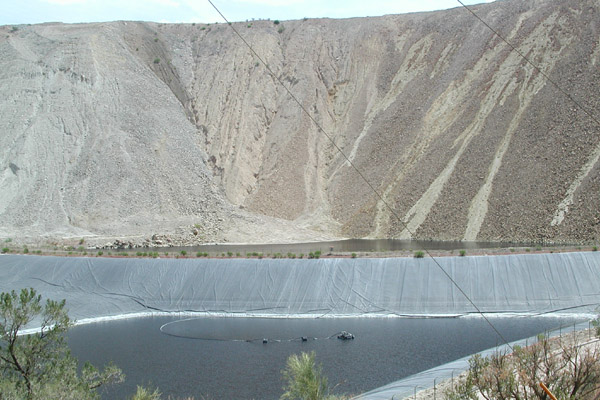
x: 225, y: 358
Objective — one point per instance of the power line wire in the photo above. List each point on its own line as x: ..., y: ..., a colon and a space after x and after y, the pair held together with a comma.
x: 379, y: 196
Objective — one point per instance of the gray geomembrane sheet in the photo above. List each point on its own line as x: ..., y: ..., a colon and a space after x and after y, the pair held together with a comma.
x: 105, y: 287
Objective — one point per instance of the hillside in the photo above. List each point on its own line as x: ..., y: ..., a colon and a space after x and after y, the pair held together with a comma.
x: 139, y: 130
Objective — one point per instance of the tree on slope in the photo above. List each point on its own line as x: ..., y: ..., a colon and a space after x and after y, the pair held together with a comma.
x: 570, y: 370
x: 39, y: 365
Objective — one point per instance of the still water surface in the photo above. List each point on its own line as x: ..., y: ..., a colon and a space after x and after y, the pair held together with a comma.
x: 347, y: 246
x: 222, y: 365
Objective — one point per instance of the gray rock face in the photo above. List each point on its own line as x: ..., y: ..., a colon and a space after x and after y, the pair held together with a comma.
x: 132, y: 129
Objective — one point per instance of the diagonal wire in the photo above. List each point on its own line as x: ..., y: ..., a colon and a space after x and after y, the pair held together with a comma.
x: 377, y: 194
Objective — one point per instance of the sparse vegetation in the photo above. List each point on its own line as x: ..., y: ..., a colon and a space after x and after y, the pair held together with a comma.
x: 5, y: 250
x: 419, y: 254
x: 595, y: 248
x: 143, y: 393
x: 156, y: 60
x: 156, y: 39
x: 305, y: 379
x: 569, y: 370
x: 462, y: 253
x: 39, y: 365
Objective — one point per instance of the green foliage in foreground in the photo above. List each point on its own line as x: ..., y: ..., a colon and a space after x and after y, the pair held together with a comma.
x: 39, y: 365
x: 305, y: 379
x: 569, y: 370
x: 143, y: 393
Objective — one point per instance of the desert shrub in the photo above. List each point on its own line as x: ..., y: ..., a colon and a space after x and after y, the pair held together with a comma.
x: 569, y: 370
x: 305, y: 379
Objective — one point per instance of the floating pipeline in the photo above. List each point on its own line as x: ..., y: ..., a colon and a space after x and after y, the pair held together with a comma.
x: 109, y: 288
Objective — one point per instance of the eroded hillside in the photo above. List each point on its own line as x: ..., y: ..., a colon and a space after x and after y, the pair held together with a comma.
x: 138, y: 129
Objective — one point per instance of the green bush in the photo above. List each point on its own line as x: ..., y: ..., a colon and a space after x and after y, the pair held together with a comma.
x: 305, y: 379
x: 40, y: 365
x: 145, y: 394
x: 156, y: 60
x: 100, y: 253
x: 183, y: 253
x: 595, y: 248
x: 353, y: 255
x: 419, y: 254
x: 301, y: 255
x: 276, y: 22
x: 462, y: 253
x: 156, y: 39
x: 25, y: 250
x: 229, y: 254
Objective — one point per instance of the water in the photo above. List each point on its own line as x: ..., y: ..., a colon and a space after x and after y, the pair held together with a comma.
x: 222, y: 365
x: 351, y: 245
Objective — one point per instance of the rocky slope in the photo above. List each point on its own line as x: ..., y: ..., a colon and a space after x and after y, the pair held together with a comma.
x: 131, y: 129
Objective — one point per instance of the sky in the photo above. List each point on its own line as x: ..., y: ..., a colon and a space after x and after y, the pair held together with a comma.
x: 15, y: 12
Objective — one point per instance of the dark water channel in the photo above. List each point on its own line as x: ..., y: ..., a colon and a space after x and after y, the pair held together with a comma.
x: 347, y: 246
x: 221, y: 364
